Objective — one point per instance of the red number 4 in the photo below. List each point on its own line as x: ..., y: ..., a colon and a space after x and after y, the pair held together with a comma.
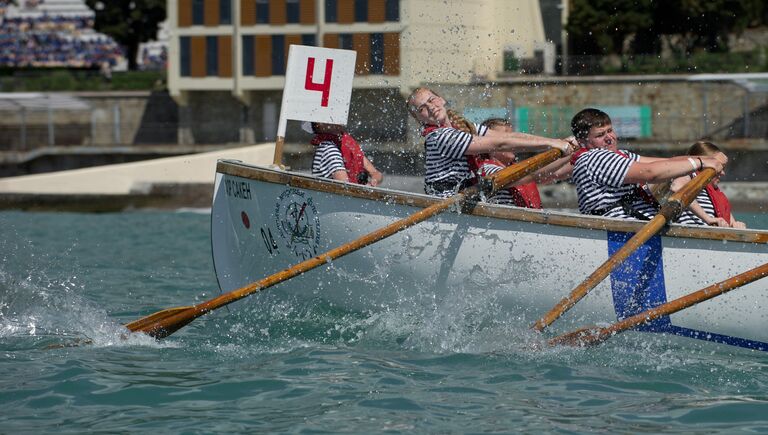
x: 325, y: 85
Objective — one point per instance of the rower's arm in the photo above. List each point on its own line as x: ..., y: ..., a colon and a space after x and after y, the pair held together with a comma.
x: 340, y: 175
x: 667, y: 169
x: 376, y: 175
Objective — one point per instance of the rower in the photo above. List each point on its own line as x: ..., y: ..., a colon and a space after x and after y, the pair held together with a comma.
x: 711, y: 206
x: 614, y: 183
x: 338, y: 156
x: 451, y: 143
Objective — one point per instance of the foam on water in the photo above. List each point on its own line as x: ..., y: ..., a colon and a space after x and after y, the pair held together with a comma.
x: 47, y: 312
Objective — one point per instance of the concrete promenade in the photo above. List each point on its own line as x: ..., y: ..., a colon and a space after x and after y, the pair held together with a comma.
x: 165, y: 183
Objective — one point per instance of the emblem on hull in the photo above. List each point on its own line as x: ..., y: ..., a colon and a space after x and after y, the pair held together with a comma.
x: 298, y: 223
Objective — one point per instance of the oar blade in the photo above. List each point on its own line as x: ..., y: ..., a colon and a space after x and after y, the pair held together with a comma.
x: 583, y: 337
x: 141, y: 324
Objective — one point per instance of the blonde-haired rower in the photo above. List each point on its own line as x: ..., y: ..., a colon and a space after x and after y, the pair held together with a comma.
x: 449, y: 147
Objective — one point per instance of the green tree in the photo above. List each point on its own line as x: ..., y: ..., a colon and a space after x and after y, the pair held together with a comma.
x: 129, y: 22
x: 703, y: 24
x: 603, y: 26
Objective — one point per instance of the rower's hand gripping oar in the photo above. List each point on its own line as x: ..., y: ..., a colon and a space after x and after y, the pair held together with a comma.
x: 166, y: 322
x: 594, y: 335
x: 668, y: 212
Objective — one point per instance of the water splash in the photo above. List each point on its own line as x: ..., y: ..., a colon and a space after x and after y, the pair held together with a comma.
x: 45, y: 307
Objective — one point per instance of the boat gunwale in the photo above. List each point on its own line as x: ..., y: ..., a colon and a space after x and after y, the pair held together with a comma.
x: 548, y: 217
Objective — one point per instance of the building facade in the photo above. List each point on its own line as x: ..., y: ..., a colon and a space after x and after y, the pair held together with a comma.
x: 237, y: 49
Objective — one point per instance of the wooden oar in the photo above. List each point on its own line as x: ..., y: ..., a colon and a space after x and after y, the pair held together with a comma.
x: 166, y: 322
x: 594, y: 335
x: 668, y: 212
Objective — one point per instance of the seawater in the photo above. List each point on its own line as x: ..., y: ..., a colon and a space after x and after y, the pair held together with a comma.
x: 278, y: 365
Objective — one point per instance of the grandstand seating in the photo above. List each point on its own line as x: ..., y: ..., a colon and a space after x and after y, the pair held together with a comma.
x: 53, y: 33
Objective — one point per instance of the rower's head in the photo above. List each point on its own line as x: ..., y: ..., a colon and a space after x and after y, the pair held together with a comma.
x: 704, y: 148
x: 323, y: 128
x: 593, y: 129
x: 427, y: 107
x: 504, y: 126
x: 498, y: 124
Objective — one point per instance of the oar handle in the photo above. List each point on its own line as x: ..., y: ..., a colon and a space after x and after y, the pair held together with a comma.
x: 163, y: 324
x: 668, y: 212
x: 594, y: 335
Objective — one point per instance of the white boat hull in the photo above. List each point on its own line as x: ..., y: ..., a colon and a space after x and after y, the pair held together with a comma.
x: 524, y: 261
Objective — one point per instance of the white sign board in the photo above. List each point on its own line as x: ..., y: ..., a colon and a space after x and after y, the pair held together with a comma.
x: 318, y: 85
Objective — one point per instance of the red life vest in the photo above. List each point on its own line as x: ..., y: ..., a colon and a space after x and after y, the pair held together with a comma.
x: 525, y: 195
x: 529, y: 194
x: 575, y: 156
x: 720, y: 202
x: 350, y: 151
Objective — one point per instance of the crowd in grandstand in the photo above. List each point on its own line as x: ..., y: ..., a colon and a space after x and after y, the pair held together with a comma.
x: 32, y: 36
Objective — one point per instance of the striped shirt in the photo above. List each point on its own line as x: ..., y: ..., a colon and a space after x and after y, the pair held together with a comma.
x: 599, y: 177
x: 327, y: 160
x: 446, y: 167
x: 687, y: 217
x: 503, y: 196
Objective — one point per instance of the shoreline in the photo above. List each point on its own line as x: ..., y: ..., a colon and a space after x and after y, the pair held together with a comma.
x: 746, y: 197
x: 187, y: 182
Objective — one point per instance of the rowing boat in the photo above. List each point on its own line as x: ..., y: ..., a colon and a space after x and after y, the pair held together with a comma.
x: 524, y: 261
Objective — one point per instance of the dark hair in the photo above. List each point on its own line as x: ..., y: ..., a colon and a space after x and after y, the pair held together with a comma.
x: 583, y: 121
x: 316, y: 125
x: 496, y: 122
x: 703, y: 148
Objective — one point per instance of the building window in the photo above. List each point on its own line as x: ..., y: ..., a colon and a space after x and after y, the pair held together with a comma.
x: 262, y: 11
x: 278, y: 55
x: 377, y: 53
x: 225, y: 11
x: 331, y: 11
x: 308, y: 39
x: 292, y: 14
x: 198, y: 12
x: 361, y: 11
x: 248, y: 66
x: 184, y: 61
x: 392, y: 10
x: 345, y: 41
x: 211, y: 56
